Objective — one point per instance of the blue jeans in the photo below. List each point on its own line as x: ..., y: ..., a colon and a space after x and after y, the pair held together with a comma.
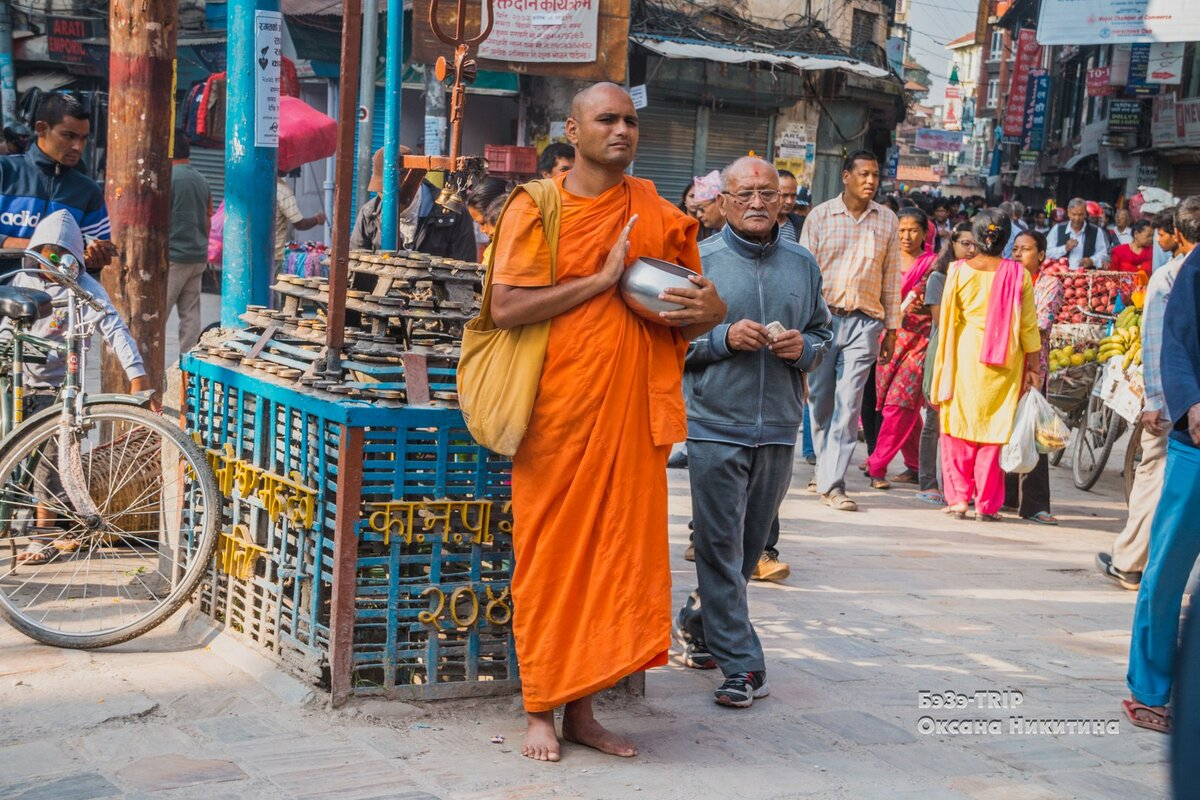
x: 1174, y: 547
x: 806, y: 443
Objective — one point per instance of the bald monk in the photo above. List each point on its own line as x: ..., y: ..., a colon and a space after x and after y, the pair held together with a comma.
x: 591, y: 585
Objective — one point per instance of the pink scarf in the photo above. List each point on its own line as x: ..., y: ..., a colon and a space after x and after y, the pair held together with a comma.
x: 916, y: 271
x: 1003, y: 303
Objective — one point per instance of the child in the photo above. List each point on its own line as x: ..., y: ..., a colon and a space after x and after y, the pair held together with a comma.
x: 58, y: 237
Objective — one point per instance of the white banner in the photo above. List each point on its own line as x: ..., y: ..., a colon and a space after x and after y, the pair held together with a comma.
x: 1117, y: 21
x: 268, y: 48
x: 552, y: 31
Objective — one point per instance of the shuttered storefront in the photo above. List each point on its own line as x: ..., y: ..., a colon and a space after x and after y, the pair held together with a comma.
x: 211, y: 164
x: 1185, y: 180
x: 666, y: 142
x: 734, y: 133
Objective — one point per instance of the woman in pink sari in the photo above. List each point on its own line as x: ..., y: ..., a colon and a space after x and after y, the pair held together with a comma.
x: 987, y: 356
x: 898, y: 382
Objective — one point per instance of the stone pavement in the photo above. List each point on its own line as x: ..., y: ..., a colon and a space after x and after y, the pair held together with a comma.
x: 881, y: 606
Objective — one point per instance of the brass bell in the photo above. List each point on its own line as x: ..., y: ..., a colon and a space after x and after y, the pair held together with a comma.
x: 450, y: 199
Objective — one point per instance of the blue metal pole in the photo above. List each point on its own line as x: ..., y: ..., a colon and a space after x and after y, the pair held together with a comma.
x: 390, y: 214
x: 8, y: 90
x: 249, y: 174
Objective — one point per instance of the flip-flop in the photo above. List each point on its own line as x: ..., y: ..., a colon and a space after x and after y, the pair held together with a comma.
x: 1042, y: 518
x: 1159, y: 721
x: 933, y: 498
x: 907, y: 477
x: 988, y: 517
x: 879, y: 483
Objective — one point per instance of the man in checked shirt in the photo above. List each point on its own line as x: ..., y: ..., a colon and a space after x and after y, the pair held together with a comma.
x: 854, y: 240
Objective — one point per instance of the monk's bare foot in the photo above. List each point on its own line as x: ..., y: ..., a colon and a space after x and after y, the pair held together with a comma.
x: 582, y: 728
x: 541, y: 742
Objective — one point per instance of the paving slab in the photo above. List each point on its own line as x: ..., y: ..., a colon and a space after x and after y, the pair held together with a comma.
x: 880, y: 606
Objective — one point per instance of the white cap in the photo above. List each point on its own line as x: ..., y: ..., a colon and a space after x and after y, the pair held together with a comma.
x: 59, y: 228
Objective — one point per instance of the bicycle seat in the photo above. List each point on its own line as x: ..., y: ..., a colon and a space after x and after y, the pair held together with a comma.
x: 24, y: 305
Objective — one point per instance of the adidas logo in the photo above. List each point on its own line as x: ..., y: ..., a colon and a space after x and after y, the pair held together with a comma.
x: 20, y: 219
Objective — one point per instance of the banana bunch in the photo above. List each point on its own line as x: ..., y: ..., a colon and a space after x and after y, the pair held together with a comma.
x: 1124, y: 342
x: 1128, y: 318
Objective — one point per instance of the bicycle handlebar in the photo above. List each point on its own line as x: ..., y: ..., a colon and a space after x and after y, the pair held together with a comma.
x: 57, y: 274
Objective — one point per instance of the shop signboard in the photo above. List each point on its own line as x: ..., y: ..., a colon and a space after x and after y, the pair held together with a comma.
x: 1124, y: 115
x: 952, y: 117
x: 1164, y: 128
x: 1165, y: 63
x: 65, y: 38
x: 554, y: 31
x: 938, y: 141
x: 1083, y: 22
x: 1099, y: 82
x: 1037, y: 100
x: 1187, y: 118
x: 1028, y: 56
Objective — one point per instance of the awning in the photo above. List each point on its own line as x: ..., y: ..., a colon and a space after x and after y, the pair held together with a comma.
x: 46, y: 81
x: 687, y: 48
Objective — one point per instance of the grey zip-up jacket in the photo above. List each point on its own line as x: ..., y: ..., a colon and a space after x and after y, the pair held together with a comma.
x: 754, y: 399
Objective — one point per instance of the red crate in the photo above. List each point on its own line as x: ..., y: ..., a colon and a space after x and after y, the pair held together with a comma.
x: 508, y: 159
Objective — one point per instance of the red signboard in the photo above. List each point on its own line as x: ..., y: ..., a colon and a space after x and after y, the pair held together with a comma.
x: 1029, y: 55
x: 64, y: 38
x: 1099, y: 82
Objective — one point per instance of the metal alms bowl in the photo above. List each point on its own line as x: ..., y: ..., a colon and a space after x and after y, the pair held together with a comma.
x: 644, y: 280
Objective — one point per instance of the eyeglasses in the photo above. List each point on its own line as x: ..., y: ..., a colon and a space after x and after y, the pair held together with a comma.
x: 744, y: 198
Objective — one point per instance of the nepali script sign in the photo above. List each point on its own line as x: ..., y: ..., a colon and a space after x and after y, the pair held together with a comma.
x: 556, y: 31
x: 1080, y: 22
x: 938, y: 141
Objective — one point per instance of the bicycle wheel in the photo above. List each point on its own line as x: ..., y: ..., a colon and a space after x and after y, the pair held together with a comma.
x: 1133, y: 457
x: 110, y: 527
x: 1094, y: 440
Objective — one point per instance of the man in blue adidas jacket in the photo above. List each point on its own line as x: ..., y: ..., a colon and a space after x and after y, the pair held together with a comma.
x: 45, y: 179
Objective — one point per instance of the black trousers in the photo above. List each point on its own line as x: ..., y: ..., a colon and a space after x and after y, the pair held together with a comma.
x: 872, y: 420
x: 1029, y: 493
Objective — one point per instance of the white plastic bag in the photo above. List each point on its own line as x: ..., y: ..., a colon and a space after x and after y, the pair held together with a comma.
x: 1051, y: 433
x: 1020, y: 454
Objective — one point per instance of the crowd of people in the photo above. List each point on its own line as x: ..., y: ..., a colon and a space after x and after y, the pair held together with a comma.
x: 915, y: 322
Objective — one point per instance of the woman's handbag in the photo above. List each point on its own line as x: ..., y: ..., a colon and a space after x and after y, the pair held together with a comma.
x: 499, y: 370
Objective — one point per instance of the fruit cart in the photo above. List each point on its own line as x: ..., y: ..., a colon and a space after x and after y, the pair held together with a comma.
x: 1098, y: 322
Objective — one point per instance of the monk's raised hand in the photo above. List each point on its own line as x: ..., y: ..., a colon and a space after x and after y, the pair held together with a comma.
x: 701, y: 305
x: 614, y: 265
x: 747, y: 335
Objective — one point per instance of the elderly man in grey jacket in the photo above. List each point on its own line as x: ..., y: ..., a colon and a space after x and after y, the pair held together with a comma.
x: 745, y: 401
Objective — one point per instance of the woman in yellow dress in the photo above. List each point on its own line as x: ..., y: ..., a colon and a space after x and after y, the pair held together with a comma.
x: 987, y: 356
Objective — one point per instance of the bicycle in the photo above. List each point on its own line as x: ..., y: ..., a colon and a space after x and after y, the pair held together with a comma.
x: 110, y: 512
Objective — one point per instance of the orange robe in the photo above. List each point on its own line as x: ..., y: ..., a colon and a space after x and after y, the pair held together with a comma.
x: 592, y: 585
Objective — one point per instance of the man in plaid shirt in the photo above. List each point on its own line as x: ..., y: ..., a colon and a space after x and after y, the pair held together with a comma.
x: 854, y: 240
x: 1132, y: 546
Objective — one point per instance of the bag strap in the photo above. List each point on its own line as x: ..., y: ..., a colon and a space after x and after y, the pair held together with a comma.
x: 544, y: 193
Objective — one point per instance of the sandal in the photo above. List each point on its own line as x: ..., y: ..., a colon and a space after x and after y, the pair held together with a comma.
x: 839, y: 502
x: 1154, y: 720
x: 879, y: 483
x: 933, y: 498
x: 989, y: 517
x: 1043, y: 518
x: 39, y: 552
x: 906, y: 477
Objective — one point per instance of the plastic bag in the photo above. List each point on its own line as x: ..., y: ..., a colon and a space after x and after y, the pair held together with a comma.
x: 1051, y: 433
x: 1020, y: 454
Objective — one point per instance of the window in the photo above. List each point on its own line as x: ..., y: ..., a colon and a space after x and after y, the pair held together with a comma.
x: 862, y: 31
x: 997, y: 47
x: 993, y: 94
